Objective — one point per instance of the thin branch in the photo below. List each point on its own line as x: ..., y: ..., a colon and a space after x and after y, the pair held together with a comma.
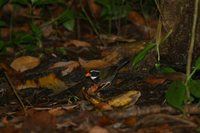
x: 15, y: 92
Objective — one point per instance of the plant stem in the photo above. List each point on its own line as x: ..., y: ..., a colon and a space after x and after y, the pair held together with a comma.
x: 93, y: 26
x: 190, y: 51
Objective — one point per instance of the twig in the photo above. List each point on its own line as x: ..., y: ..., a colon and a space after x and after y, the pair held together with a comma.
x: 15, y: 92
x: 153, y: 109
x: 155, y: 117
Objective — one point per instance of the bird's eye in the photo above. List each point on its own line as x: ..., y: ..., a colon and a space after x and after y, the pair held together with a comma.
x: 94, y: 74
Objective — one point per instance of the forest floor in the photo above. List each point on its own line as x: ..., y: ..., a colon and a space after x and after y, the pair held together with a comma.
x: 46, y: 88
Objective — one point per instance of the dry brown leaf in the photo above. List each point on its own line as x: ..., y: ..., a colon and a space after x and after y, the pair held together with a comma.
x: 89, y: 64
x: 113, y: 56
x: 105, y: 120
x: 77, y: 43
x: 162, y: 128
x: 109, y: 60
x: 125, y: 50
x: 91, y: 90
x: 155, y: 80
x: 25, y: 63
x: 95, y: 8
x: 111, y: 38
x: 56, y: 111
x: 161, y: 78
x: 130, y: 121
x: 69, y: 66
x: 47, y: 30
x: 146, y: 26
x: 40, y: 119
x: 98, y: 129
x: 95, y: 101
x: 65, y: 123
x: 136, y: 18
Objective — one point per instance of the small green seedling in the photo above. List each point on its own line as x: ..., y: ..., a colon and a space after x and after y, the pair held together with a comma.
x: 141, y: 55
x: 176, y: 95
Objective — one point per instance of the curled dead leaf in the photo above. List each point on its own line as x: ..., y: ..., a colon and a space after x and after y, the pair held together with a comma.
x: 77, y: 43
x: 111, y: 38
x: 25, y: 63
x: 136, y: 18
x: 125, y: 99
x: 69, y: 66
x: 91, y: 90
x: 98, y: 129
x: 161, y: 78
x: 95, y: 101
x: 108, y: 60
x: 95, y: 8
x: 56, y: 111
x: 146, y: 26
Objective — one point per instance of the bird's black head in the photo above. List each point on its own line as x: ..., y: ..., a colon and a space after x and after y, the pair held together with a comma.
x: 93, y: 74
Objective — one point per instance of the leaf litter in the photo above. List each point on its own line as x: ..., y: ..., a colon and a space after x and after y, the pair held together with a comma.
x: 59, y: 98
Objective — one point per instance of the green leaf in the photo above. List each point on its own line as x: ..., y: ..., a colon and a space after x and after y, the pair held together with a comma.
x: 69, y: 25
x: 2, y: 44
x: 2, y: 23
x: 21, y: 2
x: 21, y: 38
x: 194, y: 86
x: 197, y: 64
x: 45, y: 2
x: 140, y: 56
x: 31, y: 48
x: 3, y: 2
x: 66, y: 16
x: 115, y: 9
x: 104, y: 3
x: 36, y: 31
x: 176, y: 94
x: 61, y: 50
x: 167, y: 70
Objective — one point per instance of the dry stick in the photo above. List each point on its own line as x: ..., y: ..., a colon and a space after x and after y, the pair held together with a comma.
x: 153, y: 109
x: 190, y: 51
x: 15, y: 92
x: 150, y: 118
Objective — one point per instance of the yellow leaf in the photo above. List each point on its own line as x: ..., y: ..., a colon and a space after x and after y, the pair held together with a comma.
x: 127, y: 98
x: 52, y: 82
x: 27, y: 84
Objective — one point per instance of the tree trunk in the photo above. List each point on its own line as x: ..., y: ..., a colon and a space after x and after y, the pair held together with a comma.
x: 177, y: 15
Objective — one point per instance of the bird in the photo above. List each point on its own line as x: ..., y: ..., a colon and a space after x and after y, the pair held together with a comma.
x: 104, y: 77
